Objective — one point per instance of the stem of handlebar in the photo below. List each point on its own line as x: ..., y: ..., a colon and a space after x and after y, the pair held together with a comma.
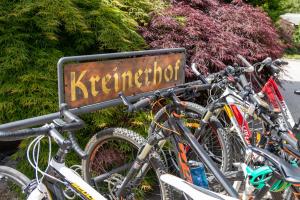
x: 74, y: 122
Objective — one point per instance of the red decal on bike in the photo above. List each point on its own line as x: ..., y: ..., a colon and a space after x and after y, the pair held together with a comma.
x: 270, y: 89
x: 242, y: 122
x: 183, y: 163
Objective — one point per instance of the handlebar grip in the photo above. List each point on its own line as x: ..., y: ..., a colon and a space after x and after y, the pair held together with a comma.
x: 250, y: 68
x: 82, y: 154
x: 141, y: 103
x: 22, y: 134
x: 198, y: 74
x: 297, y: 92
x: 291, y: 140
x: 202, y: 87
x: 274, y: 69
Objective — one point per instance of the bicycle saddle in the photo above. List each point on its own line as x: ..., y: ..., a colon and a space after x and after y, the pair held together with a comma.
x: 289, y: 173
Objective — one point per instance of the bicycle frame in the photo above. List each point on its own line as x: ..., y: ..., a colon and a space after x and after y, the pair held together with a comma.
x: 201, y: 153
x: 237, y: 111
x: 192, y: 191
x: 141, y: 165
x: 270, y: 89
x: 70, y: 179
x: 57, y: 175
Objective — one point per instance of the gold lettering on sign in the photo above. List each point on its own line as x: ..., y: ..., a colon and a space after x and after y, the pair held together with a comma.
x: 136, y: 78
x: 98, y: 81
x: 157, y: 69
x: 105, y: 80
x: 170, y: 76
x: 127, y: 74
x: 177, y: 66
x: 79, y: 84
x: 116, y: 79
x: 93, y: 81
x: 147, y: 72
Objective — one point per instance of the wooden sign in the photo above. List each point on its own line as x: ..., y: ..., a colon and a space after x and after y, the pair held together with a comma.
x: 94, y: 82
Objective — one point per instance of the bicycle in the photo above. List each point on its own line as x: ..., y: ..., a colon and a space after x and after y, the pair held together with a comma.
x: 138, y: 166
x: 237, y: 103
x: 276, y: 177
x: 58, y: 181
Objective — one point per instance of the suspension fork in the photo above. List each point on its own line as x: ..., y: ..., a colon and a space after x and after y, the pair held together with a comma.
x: 137, y: 166
x: 205, y: 120
x: 190, y: 138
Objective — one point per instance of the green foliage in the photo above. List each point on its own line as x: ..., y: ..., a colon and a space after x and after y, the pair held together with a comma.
x: 297, y: 36
x: 34, y: 34
x: 275, y: 8
x: 292, y: 6
x: 139, y: 10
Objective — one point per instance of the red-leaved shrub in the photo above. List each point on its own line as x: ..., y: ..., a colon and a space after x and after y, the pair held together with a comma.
x: 214, y: 32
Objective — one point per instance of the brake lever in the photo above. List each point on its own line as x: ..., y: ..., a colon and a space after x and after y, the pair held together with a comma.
x: 126, y: 101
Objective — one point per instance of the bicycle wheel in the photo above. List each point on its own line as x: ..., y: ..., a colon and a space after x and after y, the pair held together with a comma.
x: 111, y: 153
x: 215, y: 140
x: 238, y: 148
x: 12, y: 183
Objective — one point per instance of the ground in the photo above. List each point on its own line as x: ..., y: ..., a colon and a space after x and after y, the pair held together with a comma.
x: 290, y: 82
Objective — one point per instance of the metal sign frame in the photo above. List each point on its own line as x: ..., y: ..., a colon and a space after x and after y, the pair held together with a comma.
x: 90, y: 108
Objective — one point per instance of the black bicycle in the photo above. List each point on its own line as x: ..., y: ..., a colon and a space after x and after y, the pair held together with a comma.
x: 132, y: 163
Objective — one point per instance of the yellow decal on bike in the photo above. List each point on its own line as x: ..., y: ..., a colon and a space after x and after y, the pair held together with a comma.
x: 228, y: 111
x: 81, y: 191
x: 192, y: 125
x: 258, y: 137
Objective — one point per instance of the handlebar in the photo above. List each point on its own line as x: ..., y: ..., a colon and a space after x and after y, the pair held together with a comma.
x: 24, y: 133
x: 144, y: 102
x: 198, y: 74
x: 282, y: 134
x: 68, y: 122
x: 249, y: 68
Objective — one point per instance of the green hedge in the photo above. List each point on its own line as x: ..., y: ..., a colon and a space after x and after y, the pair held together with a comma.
x: 34, y: 34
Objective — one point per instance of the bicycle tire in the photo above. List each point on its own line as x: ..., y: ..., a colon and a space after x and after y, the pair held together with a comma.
x: 14, y: 176
x: 136, y: 140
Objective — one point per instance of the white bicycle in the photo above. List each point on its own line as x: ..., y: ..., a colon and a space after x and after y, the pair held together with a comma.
x: 57, y: 181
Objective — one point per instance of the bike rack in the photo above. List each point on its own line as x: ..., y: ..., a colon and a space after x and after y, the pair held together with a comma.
x: 90, y: 108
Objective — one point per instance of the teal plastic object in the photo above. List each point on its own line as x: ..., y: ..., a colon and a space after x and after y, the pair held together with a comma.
x: 260, y: 176
x: 280, y: 185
